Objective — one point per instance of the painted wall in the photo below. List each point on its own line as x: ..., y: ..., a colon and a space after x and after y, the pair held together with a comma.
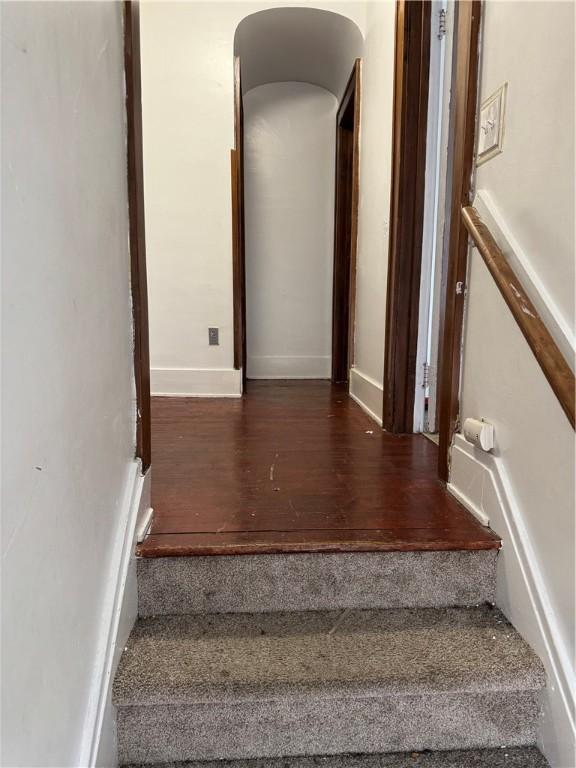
x: 374, y: 211
x: 529, y: 188
x: 67, y: 379
x: 187, y: 82
x: 535, y: 173
x: 289, y: 140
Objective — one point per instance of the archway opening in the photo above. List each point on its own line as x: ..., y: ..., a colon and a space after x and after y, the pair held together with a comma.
x: 295, y: 65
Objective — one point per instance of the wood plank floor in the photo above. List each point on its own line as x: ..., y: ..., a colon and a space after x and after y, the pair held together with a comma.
x: 295, y: 466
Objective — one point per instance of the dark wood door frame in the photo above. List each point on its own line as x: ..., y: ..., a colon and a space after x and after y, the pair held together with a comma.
x: 137, y: 235
x: 464, y: 96
x: 412, y: 62
x: 406, y: 216
x: 346, y: 227
x: 238, y: 228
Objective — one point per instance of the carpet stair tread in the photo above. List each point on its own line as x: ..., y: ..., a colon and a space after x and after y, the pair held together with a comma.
x: 227, y: 658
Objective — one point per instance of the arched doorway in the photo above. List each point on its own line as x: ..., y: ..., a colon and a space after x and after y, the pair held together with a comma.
x: 296, y: 196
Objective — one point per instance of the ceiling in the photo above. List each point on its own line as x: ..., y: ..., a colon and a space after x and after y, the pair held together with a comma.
x: 297, y: 44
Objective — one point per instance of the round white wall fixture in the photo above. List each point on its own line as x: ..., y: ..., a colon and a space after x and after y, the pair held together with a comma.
x: 479, y: 433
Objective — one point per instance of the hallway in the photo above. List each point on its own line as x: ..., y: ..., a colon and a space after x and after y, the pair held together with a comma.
x: 295, y: 467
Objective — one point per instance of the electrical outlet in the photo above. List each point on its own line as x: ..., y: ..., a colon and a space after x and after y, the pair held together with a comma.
x: 213, y: 337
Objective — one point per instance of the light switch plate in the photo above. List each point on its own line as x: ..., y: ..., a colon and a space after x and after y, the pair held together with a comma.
x: 491, y: 128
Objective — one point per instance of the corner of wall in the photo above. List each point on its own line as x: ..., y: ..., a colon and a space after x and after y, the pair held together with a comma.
x: 479, y: 480
x: 120, y: 609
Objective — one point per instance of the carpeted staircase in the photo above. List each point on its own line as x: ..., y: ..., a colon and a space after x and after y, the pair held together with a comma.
x: 363, y: 660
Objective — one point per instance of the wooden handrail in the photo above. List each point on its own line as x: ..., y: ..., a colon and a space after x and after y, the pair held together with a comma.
x: 545, y: 349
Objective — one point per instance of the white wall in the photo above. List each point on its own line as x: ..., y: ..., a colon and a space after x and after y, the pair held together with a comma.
x: 67, y: 380
x: 531, y: 187
x: 289, y: 140
x: 374, y: 211
x: 187, y: 83
x: 532, y: 181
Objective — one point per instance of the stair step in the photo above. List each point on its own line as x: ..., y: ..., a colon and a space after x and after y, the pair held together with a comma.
x: 514, y: 757
x: 274, y: 684
x: 320, y: 581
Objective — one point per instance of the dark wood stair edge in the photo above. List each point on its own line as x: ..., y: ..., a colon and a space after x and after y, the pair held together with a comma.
x: 293, y: 542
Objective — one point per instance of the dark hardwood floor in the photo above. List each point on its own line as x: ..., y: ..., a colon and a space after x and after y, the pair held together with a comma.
x: 292, y: 467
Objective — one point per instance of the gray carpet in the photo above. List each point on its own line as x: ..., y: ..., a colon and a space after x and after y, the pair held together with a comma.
x: 231, y: 657
x: 511, y: 757
x: 333, y: 682
x: 253, y: 583
x: 316, y: 725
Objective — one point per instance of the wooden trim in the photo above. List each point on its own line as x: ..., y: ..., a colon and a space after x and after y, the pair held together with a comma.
x: 464, y: 95
x: 341, y: 271
x: 546, y: 351
x: 236, y: 277
x: 137, y: 234
x: 357, y: 76
x: 406, y: 212
x: 346, y: 226
x: 238, y: 229
x: 291, y: 542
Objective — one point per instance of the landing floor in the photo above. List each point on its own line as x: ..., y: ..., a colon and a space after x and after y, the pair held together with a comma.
x: 292, y: 467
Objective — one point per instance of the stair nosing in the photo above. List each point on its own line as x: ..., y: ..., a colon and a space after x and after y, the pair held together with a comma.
x: 308, y: 695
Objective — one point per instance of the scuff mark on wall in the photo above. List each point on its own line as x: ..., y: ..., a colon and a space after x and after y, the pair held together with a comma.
x: 102, y: 50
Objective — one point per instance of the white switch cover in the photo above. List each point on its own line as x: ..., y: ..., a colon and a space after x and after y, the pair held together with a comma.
x: 491, y: 129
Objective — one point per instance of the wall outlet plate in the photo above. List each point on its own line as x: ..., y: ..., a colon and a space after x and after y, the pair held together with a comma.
x: 491, y: 127
x: 213, y: 337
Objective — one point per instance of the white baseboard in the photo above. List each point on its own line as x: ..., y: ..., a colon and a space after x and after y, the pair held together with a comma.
x: 289, y: 367
x: 368, y: 393
x: 119, y: 613
x: 196, y: 382
x: 457, y: 470
x: 481, y: 483
x: 144, y: 524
